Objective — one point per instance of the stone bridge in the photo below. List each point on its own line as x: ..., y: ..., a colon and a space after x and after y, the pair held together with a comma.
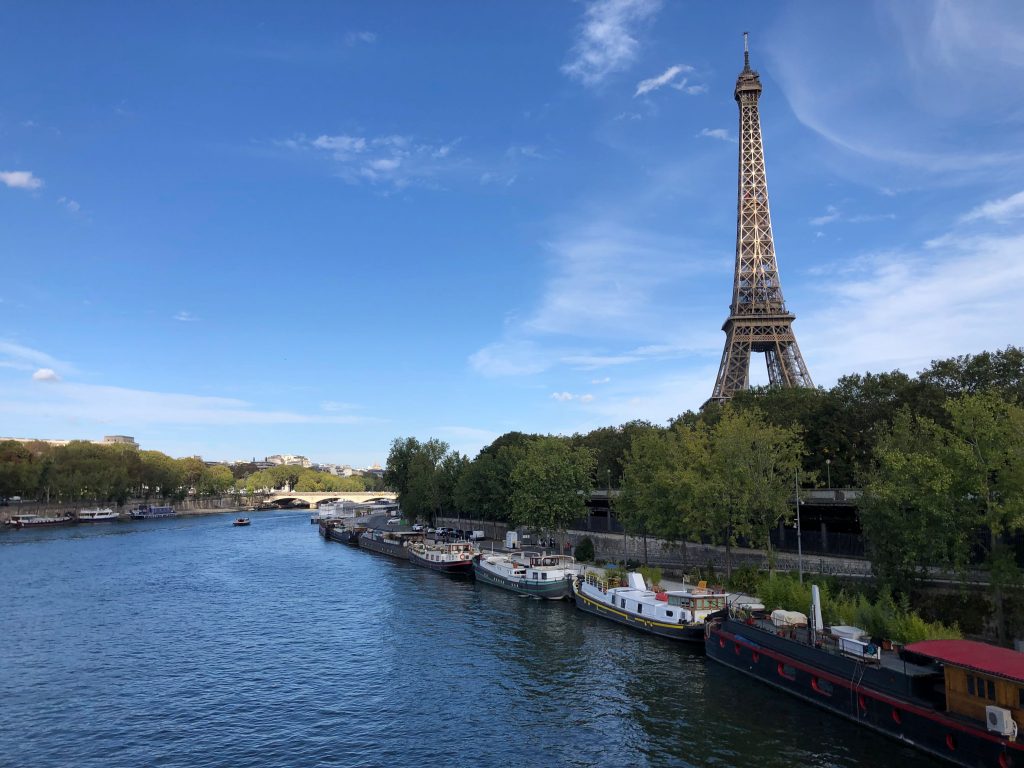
x: 316, y: 498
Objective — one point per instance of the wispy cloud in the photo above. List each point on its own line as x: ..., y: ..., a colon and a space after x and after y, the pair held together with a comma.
x: 333, y: 406
x: 603, y: 380
x: 45, y: 374
x: 1003, y: 210
x: 668, y: 77
x: 71, y: 205
x: 21, y: 180
x: 716, y: 133
x: 136, y: 407
x: 564, y: 397
x: 392, y: 160
x: 354, y: 38
x: 831, y: 214
x: 607, y: 41
x: 22, y: 358
x: 185, y: 317
x: 603, y: 303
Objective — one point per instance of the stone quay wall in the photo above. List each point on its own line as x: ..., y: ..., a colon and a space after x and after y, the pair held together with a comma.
x: 681, y: 558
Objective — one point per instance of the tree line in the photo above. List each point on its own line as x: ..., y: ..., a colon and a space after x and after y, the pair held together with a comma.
x: 85, y: 471
x: 939, y: 458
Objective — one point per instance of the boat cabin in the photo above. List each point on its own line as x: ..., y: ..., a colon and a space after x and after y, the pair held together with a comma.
x: 980, y: 678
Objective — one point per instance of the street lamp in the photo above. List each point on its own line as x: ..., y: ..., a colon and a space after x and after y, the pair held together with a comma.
x: 828, y: 472
x: 799, y: 543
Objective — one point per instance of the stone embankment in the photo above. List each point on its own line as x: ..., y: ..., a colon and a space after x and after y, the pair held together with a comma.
x: 683, y: 557
x: 188, y: 506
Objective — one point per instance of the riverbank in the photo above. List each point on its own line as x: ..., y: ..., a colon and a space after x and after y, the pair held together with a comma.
x: 185, y: 507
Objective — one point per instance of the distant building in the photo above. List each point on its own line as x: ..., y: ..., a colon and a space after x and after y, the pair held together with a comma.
x: 375, y: 470
x: 288, y: 460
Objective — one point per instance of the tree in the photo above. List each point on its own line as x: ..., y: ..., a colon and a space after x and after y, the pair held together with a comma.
x: 992, y: 431
x: 652, y: 485
x: 550, y: 483
x: 19, y: 472
x: 159, y: 473
x: 909, y: 511
x: 413, y: 470
x: 215, y: 480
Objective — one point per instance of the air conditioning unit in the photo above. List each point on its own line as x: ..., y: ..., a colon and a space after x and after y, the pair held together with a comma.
x: 1000, y: 721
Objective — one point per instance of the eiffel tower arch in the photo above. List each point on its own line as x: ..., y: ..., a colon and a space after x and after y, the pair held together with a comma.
x: 758, y: 320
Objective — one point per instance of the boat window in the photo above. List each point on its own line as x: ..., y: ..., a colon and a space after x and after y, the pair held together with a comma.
x: 1020, y: 697
x: 824, y: 687
x: 535, y: 575
x: 787, y: 671
x: 639, y: 607
x: 543, y: 577
x: 669, y: 614
x: 970, y: 684
x: 991, y: 690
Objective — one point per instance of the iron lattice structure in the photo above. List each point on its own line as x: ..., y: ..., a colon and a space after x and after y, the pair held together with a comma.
x: 758, y: 320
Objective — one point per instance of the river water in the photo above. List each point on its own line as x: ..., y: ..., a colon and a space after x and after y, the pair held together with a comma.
x: 188, y: 642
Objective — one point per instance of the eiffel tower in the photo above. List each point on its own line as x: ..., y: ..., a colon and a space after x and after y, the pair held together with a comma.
x: 758, y: 320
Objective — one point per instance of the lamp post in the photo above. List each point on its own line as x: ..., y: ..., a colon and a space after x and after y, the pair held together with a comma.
x: 828, y: 472
x: 608, y: 500
x: 799, y: 543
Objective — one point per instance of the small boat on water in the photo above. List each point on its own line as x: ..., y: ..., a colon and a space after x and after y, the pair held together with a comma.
x: 959, y: 700
x: 96, y: 515
x: 150, y: 512
x: 528, y: 573
x: 393, y: 543
x: 454, y: 558
x: 677, y: 615
x: 240, y: 521
x: 28, y: 520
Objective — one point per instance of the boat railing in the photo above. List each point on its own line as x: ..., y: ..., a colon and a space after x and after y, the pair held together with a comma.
x: 602, y: 584
x: 823, y: 640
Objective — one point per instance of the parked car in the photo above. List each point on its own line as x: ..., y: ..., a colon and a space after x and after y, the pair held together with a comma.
x: 417, y: 527
x: 395, y: 521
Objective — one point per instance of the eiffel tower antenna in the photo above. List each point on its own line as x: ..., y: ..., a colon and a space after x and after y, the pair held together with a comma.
x: 758, y: 320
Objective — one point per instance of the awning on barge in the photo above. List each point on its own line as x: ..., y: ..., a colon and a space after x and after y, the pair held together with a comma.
x: 970, y: 654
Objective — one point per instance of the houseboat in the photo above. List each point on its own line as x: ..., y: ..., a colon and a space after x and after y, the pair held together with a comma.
x: 391, y: 543
x: 958, y: 700
x: 677, y: 615
x: 150, y: 512
x: 96, y: 515
x: 528, y: 573
x: 28, y: 520
x: 453, y: 558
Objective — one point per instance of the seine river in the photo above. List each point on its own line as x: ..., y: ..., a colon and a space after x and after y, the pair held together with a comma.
x: 192, y: 643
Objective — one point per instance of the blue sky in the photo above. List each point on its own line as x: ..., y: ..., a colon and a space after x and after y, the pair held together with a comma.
x: 237, y: 229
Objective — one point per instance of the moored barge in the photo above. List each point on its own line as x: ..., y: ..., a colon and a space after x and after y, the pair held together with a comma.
x: 528, y: 573
x: 958, y: 700
x: 392, y: 543
x: 677, y: 615
x: 454, y: 558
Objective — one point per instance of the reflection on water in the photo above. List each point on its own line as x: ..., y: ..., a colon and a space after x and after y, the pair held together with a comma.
x: 189, y: 642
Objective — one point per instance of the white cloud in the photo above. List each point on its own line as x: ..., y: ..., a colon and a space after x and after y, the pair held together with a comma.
x: 564, y: 397
x: 831, y: 214
x: 22, y: 358
x: 340, y: 143
x: 666, y: 78
x: 603, y: 380
x: 185, y: 317
x: 135, y: 407
x: 956, y: 295
x: 1003, y: 210
x: 45, y: 374
x: 395, y: 160
x: 352, y: 38
x: 606, y: 41
x: 716, y: 133
x: 71, y: 205
x: 21, y: 179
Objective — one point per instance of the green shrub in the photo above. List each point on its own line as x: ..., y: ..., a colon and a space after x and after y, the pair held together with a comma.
x: 651, y: 575
x: 884, y: 618
x: 585, y: 550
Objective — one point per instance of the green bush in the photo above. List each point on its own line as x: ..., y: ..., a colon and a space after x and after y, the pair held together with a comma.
x: 651, y: 575
x: 585, y: 550
x: 884, y: 618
